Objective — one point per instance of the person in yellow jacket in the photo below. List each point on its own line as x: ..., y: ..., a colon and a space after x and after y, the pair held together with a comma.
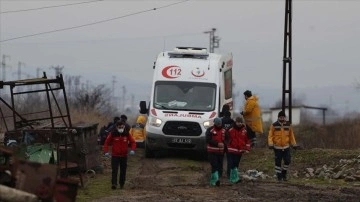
x: 252, y: 117
x: 138, y: 131
x: 281, y: 137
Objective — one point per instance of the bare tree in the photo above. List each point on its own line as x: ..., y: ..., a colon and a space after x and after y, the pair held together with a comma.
x: 296, y: 101
x: 97, y: 99
x: 357, y: 85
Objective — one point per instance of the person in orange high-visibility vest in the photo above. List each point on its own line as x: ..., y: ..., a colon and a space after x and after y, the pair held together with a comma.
x: 215, y: 137
x: 281, y: 137
x: 138, y: 131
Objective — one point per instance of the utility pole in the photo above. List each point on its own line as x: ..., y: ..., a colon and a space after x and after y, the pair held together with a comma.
x: 58, y: 70
x: 77, y: 83
x: 214, y: 40
x: 114, y: 100
x: 123, y: 97
x: 69, y: 86
x: 4, y: 66
x: 132, y: 100
x: 287, y: 59
x: 38, y: 72
x: 87, y: 85
x: 113, y: 85
x: 19, y: 70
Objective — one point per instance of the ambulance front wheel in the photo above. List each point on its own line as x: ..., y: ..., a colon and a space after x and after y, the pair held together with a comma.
x: 148, y: 153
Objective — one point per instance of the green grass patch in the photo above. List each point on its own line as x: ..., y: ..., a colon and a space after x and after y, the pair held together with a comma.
x: 320, y: 157
x: 97, y: 187
x: 259, y: 159
x: 100, y: 185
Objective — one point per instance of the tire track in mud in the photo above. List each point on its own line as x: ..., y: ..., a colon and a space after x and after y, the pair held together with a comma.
x: 170, y: 172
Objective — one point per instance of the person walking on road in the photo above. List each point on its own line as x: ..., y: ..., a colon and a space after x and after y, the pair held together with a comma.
x: 227, y: 123
x: 120, y: 140
x: 237, y: 143
x: 215, y: 137
x: 281, y: 137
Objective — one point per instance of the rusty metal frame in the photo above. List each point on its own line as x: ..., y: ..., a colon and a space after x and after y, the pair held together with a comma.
x: 60, y: 135
x: 73, y: 143
x: 49, y: 94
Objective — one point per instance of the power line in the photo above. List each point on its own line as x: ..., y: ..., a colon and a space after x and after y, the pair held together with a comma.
x: 93, y: 23
x: 119, y: 39
x: 45, y: 7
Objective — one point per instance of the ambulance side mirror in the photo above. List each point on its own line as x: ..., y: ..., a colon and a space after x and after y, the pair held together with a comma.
x: 143, y: 109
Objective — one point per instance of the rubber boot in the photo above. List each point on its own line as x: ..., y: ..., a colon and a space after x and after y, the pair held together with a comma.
x: 284, y: 173
x: 279, y: 176
x: 234, y: 176
x: 214, y: 179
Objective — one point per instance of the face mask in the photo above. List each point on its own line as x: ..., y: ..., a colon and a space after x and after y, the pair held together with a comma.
x: 120, y: 130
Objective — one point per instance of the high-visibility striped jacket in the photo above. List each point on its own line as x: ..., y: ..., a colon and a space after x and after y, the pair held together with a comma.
x: 138, y: 131
x: 213, y: 137
x: 252, y: 114
x: 237, y: 140
x: 281, y: 135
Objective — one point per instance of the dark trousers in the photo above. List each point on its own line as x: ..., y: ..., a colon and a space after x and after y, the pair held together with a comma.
x: 282, y: 155
x: 251, y: 135
x: 216, y: 162
x: 115, y: 163
x: 233, y: 161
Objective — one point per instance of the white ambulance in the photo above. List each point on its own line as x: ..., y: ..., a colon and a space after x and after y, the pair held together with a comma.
x: 190, y: 88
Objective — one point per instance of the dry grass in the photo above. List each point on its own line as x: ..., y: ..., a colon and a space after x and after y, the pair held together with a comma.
x: 78, y: 117
x: 339, y: 135
x: 344, y: 134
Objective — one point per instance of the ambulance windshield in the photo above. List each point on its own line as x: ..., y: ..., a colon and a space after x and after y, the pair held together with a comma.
x: 187, y: 96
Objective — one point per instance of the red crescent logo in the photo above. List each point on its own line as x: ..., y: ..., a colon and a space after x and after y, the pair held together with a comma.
x: 169, y: 73
x: 203, y: 73
x: 198, y: 74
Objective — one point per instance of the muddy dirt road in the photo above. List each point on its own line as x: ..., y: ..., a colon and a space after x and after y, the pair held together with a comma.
x: 177, y: 178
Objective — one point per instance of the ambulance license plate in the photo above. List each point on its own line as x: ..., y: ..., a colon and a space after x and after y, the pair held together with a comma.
x: 181, y: 140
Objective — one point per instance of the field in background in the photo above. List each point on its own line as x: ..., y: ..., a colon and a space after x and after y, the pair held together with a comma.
x: 344, y: 134
x: 340, y: 135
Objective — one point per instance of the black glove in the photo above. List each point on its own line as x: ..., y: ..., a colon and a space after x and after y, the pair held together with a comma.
x: 271, y: 147
x: 242, y: 113
x: 295, y: 147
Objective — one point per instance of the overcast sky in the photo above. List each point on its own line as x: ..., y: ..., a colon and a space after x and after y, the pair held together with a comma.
x: 326, y: 39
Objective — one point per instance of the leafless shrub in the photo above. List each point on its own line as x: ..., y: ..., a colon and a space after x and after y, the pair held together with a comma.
x: 343, y: 134
x: 97, y: 99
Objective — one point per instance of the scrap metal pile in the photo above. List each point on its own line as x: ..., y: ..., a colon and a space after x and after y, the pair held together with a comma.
x: 44, y: 148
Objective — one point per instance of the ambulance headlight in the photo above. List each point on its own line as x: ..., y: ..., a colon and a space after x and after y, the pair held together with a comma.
x: 207, y: 124
x: 155, y: 121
